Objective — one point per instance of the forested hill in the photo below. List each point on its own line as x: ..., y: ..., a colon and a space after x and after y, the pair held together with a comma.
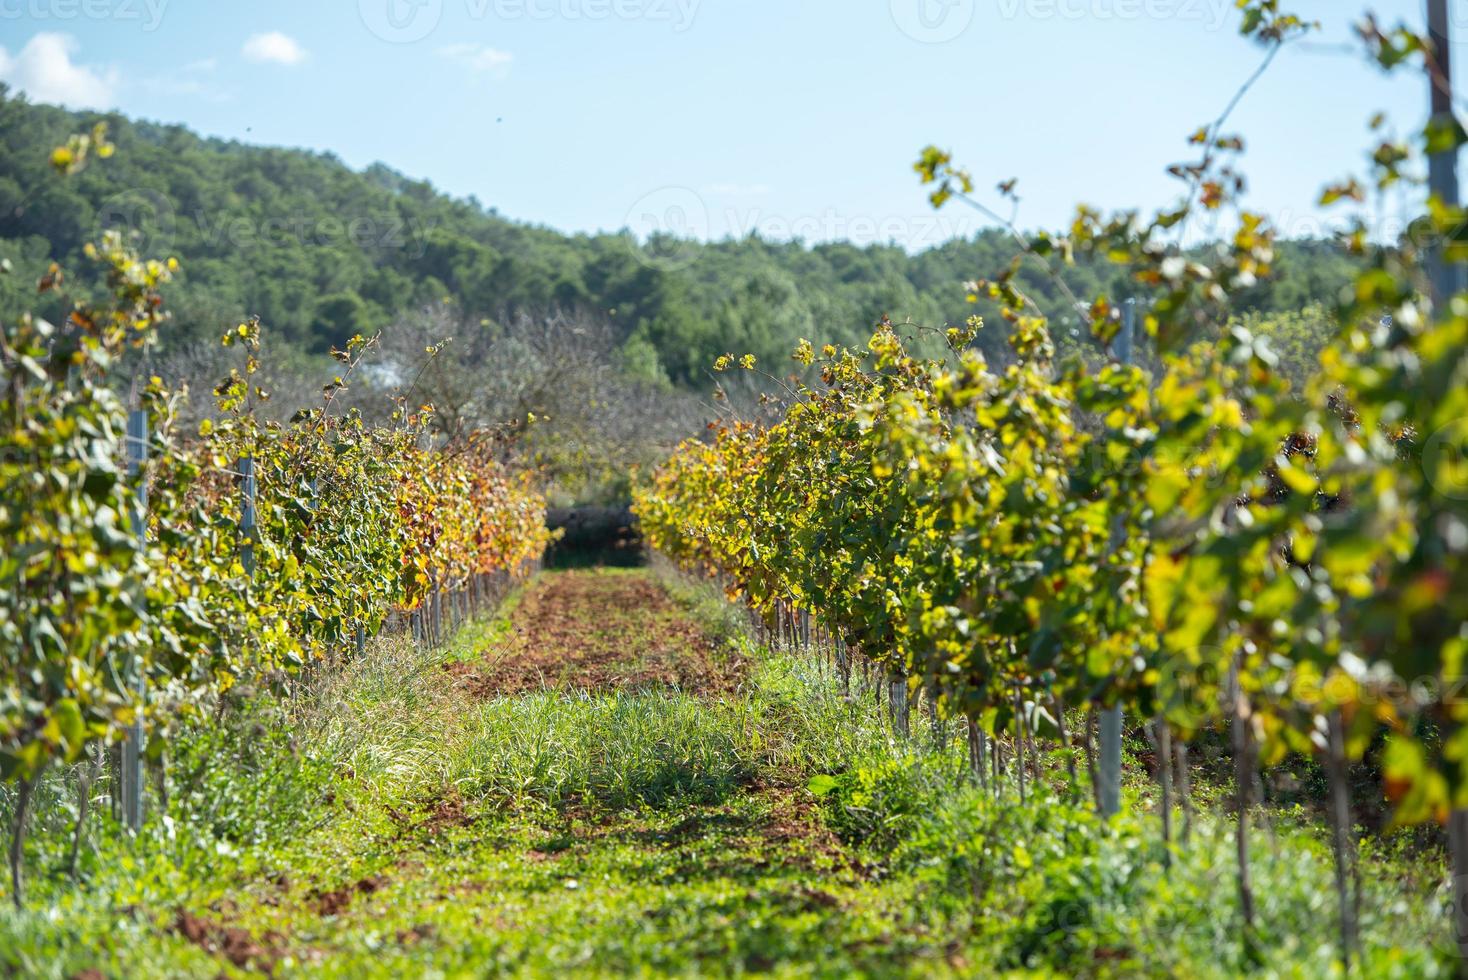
x: 320, y: 251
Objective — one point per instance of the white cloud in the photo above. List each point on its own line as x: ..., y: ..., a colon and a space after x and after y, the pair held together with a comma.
x: 172, y: 86
x: 480, y: 58
x: 273, y: 46
x: 43, y: 69
x: 193, y: 80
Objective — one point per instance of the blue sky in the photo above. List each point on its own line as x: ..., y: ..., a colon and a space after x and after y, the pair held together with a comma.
x: 791, y: 117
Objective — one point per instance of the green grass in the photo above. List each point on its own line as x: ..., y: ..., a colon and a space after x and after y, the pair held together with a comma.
x: 385, y: 824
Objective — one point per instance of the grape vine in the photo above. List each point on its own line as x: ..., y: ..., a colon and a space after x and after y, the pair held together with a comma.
x: 128, y: 596
x: 1192, y: 540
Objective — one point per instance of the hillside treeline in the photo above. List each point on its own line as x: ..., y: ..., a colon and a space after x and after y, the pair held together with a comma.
x: 321, y: 252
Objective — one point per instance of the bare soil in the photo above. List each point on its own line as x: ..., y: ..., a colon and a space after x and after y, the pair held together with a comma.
x: 598, y: 630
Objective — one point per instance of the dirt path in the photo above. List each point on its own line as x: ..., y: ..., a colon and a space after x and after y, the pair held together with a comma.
x: 598, y: 629
x: 496, y: 873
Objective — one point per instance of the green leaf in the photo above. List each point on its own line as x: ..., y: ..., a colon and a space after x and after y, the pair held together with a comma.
x: 822, y: 785
x: 1443, y: 134
x: 67, y: 716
